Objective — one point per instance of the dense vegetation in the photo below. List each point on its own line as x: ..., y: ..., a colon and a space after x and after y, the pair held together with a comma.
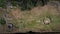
x: 2, y: 21
x: 27, y: 4
x: 24, y: 4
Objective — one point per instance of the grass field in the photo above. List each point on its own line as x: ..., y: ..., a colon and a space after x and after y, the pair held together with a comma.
x: 33, y: 19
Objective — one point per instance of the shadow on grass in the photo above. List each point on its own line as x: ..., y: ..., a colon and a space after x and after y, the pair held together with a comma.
x: 30, y: 32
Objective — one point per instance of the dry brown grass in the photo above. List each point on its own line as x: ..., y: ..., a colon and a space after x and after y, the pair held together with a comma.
x: 34, y: 14
x: 32, y: 20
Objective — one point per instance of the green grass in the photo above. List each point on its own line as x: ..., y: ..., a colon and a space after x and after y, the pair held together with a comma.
x: 31, y: 24
x: 55, y: 20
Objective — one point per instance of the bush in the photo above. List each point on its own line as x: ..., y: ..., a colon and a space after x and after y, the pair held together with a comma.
x: 2, y: 3
x: 2, y: 21
x: 14, y: 3
x: 26, y: 4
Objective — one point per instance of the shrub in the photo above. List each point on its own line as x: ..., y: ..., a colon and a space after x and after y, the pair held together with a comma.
x: 2, y: 3
x: 14, y: 3
x: 2, y: 21
x: 26, y: 4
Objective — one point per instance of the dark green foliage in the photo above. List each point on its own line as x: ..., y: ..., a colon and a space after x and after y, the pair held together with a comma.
x: 14, y: 3
x: 2, y: 3
x: 2, y: 21
x: 28, y: 4
x: 25, y: 4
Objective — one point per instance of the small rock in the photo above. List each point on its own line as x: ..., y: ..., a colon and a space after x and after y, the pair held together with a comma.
x: 10, y: 26
x: 46, y: 21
